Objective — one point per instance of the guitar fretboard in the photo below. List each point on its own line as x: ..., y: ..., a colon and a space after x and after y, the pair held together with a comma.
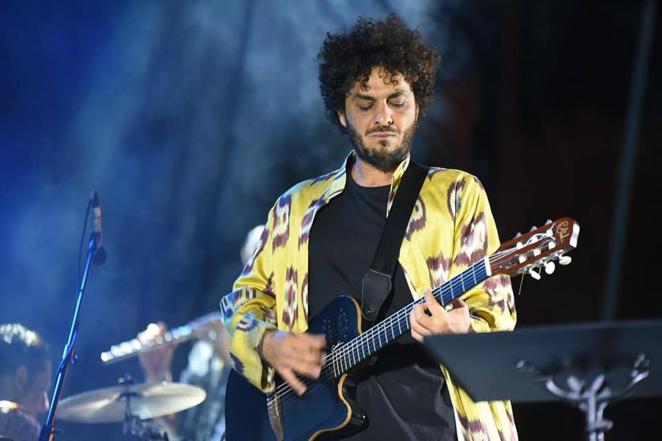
x: 349, y: 354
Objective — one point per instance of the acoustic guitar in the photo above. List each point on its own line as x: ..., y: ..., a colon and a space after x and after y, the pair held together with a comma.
x: 326, y: 410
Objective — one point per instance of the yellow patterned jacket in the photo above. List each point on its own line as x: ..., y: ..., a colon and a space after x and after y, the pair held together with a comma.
x: 451, y: 228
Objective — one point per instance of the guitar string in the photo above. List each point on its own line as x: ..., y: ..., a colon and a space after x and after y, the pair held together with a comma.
x: 364, y: 338
x: 376, y: 331
x: 286, y: 397
x: 382, y: 328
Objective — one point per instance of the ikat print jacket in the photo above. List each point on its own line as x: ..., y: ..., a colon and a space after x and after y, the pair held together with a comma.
x: 450, y: 228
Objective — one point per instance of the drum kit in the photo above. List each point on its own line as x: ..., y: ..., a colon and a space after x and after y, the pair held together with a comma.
x: 133, y: 405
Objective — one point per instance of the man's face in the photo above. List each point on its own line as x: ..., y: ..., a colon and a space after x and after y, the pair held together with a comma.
x: 380, y: 117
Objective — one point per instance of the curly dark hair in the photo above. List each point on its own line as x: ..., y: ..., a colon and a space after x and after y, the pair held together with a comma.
x: 20, y: 346
x: 346, y: 58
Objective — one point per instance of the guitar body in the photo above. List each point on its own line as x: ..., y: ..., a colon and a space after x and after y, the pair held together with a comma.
x: 324, y: 410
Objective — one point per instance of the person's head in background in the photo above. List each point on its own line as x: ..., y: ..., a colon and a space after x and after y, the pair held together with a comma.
x: 25, y: 369
x: 250, y: 243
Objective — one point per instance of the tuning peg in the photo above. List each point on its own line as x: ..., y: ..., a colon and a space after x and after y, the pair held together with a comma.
x: 565, y: 260
x: 534, y: 274
x: 550, y: 267
x: 548, y: 221
x: 518, y: 234
x: 533, y: 228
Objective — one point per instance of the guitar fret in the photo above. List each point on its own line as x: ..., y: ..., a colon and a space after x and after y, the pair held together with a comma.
x: 353, y: 352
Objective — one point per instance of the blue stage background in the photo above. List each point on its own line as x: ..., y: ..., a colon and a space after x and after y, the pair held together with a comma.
x: 190, y: 118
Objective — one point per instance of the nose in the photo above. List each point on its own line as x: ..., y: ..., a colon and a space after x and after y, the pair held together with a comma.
x: 383, y: 115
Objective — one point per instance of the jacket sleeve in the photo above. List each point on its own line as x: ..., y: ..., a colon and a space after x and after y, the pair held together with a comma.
x: 250, y: 310
x: 491, y: 303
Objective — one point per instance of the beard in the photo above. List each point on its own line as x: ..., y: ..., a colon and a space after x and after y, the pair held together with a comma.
x: 380, y: 157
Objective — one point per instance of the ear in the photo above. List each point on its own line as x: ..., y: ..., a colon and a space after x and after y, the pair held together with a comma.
x: 21, y: 378
x: 342, y: 119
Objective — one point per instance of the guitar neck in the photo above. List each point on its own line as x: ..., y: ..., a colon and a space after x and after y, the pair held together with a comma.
x: 350, y: 354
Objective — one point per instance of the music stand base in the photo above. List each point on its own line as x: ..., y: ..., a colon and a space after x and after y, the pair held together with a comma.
x: 592, y: 394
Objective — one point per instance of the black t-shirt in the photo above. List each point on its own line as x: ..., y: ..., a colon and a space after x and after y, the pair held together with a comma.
x: 404, y: 393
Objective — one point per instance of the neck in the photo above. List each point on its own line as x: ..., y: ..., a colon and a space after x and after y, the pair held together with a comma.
x: 367, y: 175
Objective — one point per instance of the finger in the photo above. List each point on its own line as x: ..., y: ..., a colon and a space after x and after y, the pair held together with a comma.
x: 315, y: 357
x: 459, y: 304
x: 419, y: 311
x: 310, y: 349
x: 416, y: 324
x: 419, y: 330
x: 291, y: 379
x: 313, y: 340
x: 433, y: 305
x: 309, y: 370
x: 293, y: 356
x: 307, y: 346
x: 418, y: 337
x: 422, y: 319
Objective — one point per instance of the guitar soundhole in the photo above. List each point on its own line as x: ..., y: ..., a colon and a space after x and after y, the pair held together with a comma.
x: 336, y: 330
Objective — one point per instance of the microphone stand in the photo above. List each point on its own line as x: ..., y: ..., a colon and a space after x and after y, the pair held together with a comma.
x: 47, y: 430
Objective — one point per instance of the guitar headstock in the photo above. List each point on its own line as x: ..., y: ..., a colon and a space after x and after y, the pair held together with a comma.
x: 537, y: 249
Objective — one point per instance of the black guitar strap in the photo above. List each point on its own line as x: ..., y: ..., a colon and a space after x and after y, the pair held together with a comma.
x: 377, y: 283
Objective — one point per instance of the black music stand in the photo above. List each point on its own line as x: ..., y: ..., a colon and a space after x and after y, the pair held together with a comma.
x: 589, y: 365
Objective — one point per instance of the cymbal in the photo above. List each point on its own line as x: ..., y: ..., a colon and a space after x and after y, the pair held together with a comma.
x: 146, y: 400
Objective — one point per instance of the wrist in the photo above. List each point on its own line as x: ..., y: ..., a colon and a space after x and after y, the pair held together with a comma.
x: 264, y: 342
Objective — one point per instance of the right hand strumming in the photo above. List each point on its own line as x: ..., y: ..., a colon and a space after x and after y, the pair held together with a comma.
x: 294, y: 354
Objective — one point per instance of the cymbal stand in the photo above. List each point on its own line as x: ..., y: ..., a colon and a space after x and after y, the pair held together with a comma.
x: 135, y: 426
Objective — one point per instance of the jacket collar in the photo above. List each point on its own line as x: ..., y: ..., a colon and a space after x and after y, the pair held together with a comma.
x: 339, y: 180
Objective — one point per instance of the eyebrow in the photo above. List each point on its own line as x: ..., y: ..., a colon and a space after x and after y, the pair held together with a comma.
x: 370, y: 98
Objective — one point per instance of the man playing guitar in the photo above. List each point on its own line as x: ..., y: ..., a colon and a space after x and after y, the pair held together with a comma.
x: 376, y: 80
